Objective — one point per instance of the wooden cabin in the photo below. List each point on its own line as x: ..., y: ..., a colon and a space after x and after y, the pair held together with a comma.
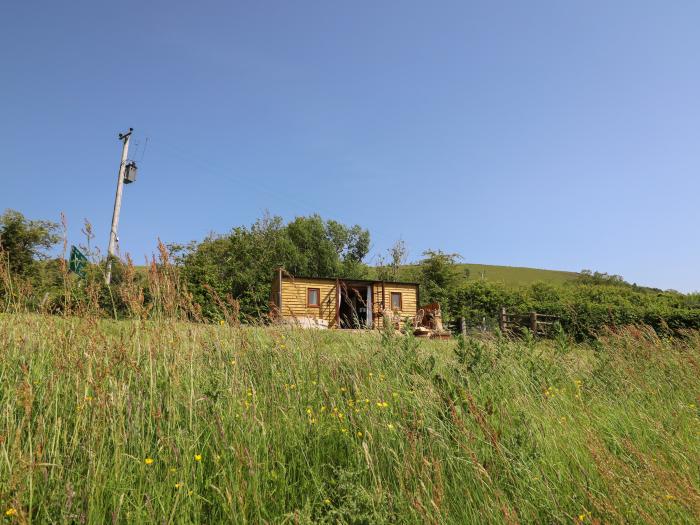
x: 341, y: 303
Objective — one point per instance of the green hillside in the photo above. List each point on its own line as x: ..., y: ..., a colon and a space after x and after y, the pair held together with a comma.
x: 510, y: 275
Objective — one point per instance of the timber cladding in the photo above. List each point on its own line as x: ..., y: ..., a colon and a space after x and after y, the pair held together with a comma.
x: 295, y: 299
x: 318, y: 298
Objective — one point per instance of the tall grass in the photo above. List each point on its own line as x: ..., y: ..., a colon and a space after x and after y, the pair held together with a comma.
x: 158, y: 421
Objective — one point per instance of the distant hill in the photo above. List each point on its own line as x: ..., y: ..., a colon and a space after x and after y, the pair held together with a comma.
x: 509, y: 275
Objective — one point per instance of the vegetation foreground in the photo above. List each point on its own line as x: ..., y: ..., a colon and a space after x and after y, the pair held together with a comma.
x: 140, y: 421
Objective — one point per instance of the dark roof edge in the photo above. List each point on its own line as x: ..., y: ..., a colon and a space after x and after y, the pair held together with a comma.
x: 333, y: 279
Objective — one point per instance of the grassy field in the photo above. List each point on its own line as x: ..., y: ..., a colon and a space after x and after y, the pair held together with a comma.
x: 145, y: 422
x: 509, y: 275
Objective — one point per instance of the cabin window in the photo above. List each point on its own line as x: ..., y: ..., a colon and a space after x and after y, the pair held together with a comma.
x: 313, y: 297
x: 396, y: 303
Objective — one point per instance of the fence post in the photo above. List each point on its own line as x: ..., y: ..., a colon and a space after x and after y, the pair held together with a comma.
x: 533, y: 322
x: 502, y: 320
x: 463, y: 326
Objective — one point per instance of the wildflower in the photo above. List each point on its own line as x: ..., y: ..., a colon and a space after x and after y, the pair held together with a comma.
x: 172, y: 469
x: 390, y: 426
x: 148, y: 461
x: 359, y: 434
x: 309, y: 410
x: 198, y: 457
x: 222, y: 322
x: 323, y: 408
x: 179, y: 485
x: 581, y: 517
x: 343, y: 389
x: 11, y: 512
x: 312, y: 420
x: 292, y: 386
x: 371, y: 374
x: 344, y: 430
x: 88, y: 398
x: 327, y: 501
x: 233, y: 361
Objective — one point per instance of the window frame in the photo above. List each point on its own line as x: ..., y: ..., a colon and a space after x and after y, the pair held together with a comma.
x: 318, y: 297
x: 400, y: 294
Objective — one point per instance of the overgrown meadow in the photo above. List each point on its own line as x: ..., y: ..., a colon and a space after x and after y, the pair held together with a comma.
x: 158, y: 421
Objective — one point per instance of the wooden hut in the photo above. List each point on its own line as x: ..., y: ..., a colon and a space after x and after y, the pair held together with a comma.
x: 342, y: 303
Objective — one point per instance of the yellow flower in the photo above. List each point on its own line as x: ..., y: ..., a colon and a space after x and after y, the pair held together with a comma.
x: 198, y: 457
x: 342, y: 389
x: 179, y: 485
x: 359, y: 434
x: 172, y: 469
x: 390, y: 426
x: 581, y: 517
x: 327, y: 501
x: 11, y: 512
x: 323, y: 408
x: 148, y: 461
x: 309, y: 411
x: 222, y: 322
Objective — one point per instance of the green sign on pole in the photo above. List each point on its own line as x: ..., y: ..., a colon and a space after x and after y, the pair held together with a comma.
x: 77, y: 262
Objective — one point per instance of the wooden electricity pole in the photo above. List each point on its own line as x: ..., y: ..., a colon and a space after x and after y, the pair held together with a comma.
x: 124, y: 137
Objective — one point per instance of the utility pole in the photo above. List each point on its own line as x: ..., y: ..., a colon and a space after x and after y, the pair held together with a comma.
x: 124, y: 137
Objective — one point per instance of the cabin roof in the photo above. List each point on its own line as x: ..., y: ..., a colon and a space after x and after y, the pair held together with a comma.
x: 349, y: 280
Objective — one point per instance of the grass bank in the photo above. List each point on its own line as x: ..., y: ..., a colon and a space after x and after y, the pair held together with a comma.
x: 104, y: 421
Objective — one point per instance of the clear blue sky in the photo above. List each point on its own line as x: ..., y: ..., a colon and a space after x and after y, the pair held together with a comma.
x: 551, y: 134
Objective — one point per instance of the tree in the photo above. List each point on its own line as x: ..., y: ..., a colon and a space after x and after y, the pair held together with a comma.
x: 389, y: 267
x: 242, y: 263
x: 24, y: 241
x: 439, y: 276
